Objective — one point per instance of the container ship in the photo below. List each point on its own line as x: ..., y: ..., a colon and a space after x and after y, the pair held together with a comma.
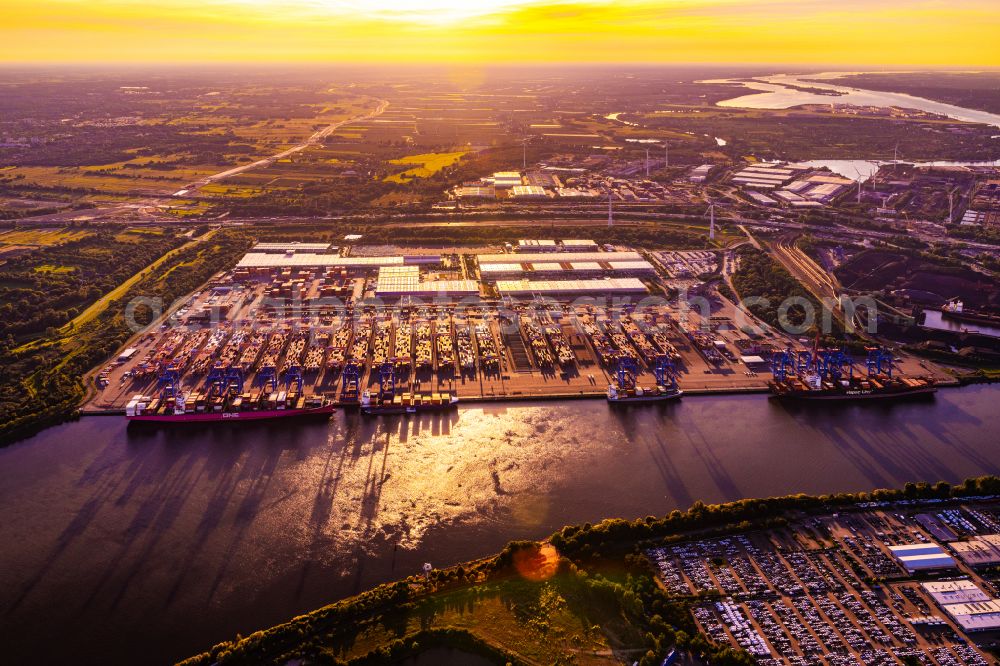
x: 623, y: 389
x: 202, y: 408
x: 829, y: 375
x: 618, y: 395
x: 815, y: 387
x: 407, y: 403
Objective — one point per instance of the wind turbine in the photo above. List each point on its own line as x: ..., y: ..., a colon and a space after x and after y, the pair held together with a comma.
x: 666, y: 153
x: 647, y: 163
x: 524, y: 154
x: 711, y: 223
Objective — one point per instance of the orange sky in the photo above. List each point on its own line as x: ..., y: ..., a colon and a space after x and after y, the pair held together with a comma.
x: 832, y: 32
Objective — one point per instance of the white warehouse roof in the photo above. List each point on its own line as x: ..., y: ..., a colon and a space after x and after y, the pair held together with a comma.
x: 977, y: 615
x: 922, y: 556
x: 916, y: 549
x: 640, y: 265
x: 577, y: 256
x: 310, y: 260
x: 571, y: 287
x: 955, y: 591
x: 294, y: 246
x: 924, y: 562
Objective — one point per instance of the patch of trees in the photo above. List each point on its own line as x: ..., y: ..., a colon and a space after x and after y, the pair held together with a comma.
x: 761, y: 276
x: 49, y: 286
x: 979, y: 234
x: 613, y: 535
x: 41, y: 384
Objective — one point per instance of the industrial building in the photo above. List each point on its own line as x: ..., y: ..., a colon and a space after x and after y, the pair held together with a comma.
x: 570, y: 269
x: 506, y: 179
x: 475, y: 192
x: 966, y: 603
x: 579, y: 245
x: 536, y: 245
x: 980, y: 551
x: 963, y: 591
x: 400, y: 281
x: 566, y: 245
x: 577, y: 193
x: 790, y: 184
x: 766, y: 175
x: 976, y: 616
x: 530, y: 192
x: 266, y: 263
x: 699, y: 174
x: 294, y: 247
x: 607, y: 286
x: 536, y: 256
x: 922, y: 557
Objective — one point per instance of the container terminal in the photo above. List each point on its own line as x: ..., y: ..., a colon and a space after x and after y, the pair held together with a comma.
x: 300, y: 325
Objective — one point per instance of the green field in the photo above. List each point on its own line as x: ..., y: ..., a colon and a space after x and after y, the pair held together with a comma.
x: 50, y: 268
x: 428, y: 165
x: 42, y: 237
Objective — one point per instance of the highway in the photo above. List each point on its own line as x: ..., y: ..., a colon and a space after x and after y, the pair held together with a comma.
x: 314, y: 139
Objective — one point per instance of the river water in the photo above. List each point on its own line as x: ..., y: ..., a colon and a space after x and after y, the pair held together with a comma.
x: 936, y: 319
x: 118, y: 542
x: 774, y: 93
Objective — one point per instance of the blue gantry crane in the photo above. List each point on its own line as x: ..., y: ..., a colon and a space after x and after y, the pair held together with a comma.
x: 350, y: 382
x: 387, y: 381
x: 665, y: 372
x: 803, y: 361
x: 780, y: 363
x: 268, y: 376
x: 834, y: 363
x: 169, y: 381
x: 234, y: 380
x: 626, y: 373
x: 293, y: 375
x: 879, y: 361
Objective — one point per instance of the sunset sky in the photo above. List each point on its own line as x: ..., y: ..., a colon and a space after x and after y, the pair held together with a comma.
x: 844, y: 32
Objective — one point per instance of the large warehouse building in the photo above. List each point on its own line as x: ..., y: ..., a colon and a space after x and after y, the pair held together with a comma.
x: 294, y: 246
x: 604, y: 287
x: 922, y: 557
x: 564, y: 269
x: 267, y: 261
x: 531, y: 257
x: 401, y: 281
x: 967, y: 604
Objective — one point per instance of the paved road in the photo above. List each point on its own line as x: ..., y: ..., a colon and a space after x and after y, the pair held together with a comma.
x: 267, y: 161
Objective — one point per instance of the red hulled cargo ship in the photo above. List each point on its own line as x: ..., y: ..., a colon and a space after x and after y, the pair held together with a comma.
x: 199, y: 408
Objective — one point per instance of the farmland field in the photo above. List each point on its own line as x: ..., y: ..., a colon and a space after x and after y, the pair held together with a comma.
x: 428, y: 164
x: 42, y: 237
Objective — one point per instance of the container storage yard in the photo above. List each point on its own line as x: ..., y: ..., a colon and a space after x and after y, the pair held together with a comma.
x: 309, y: 320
